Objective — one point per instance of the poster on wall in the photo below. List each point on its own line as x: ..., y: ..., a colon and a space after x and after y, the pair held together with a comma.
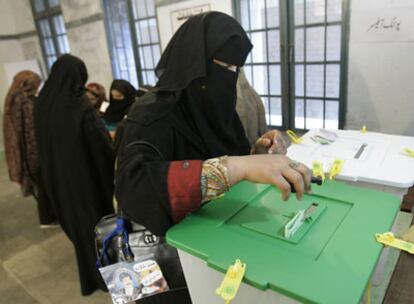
x: 178, y: 17
x: 383, y: 21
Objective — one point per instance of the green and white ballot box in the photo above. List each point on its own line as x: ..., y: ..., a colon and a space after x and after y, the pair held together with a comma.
x: 329, y: 259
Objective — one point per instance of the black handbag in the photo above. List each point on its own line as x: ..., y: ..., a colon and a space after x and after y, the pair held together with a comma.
x: 113, y: 245
x: 118, y: 239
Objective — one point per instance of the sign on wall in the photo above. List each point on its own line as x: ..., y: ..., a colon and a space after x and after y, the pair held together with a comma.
x: 171, y: 16
x: 383, y: 21
x: 178, y: 17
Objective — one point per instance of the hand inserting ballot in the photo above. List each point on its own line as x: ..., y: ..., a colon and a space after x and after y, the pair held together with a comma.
x: 271, y: 142
x: 277, y: 170
x: 314, y: 180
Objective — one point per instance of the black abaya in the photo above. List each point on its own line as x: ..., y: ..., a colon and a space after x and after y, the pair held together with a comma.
x: 191, y: 116
x: 76, y: 159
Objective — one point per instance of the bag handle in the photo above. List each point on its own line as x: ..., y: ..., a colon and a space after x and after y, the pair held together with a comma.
x: 121, y: 222
x: 120, y: 229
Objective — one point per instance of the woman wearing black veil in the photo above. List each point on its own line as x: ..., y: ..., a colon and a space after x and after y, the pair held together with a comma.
x: 121, y: 96
x: 188, y: 145
x: 76, y: 159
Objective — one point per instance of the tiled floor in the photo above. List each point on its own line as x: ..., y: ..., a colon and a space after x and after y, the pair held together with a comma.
x: 37, y: 265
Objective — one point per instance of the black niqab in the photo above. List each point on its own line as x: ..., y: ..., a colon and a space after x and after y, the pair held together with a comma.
x: 76, y: 161
x: 119, y: 108
x: 196, y: 41
x: 204, y: 91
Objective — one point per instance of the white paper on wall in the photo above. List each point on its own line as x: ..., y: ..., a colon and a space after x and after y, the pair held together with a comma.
x: 178, y: 17
x: 171, y: 16
x: 383, y: 21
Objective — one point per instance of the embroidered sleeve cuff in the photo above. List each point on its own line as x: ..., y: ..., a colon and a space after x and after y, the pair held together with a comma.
x: 184, y: 187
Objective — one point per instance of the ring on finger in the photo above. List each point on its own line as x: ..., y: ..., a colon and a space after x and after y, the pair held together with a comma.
x: 294, y: 165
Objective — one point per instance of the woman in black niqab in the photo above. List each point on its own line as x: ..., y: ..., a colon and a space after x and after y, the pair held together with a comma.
x: 118, y: 108
x: 76, y: 159
x: 205, y: 91
x: 192, y: 117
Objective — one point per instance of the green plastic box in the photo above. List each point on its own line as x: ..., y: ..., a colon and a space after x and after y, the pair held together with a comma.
x: 329, y: 260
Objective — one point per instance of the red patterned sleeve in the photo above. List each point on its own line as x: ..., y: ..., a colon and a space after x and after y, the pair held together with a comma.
x: 184, y: 189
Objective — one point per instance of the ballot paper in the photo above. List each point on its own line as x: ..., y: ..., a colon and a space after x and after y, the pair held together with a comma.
x: 104, y: 106
x: 369, y: 157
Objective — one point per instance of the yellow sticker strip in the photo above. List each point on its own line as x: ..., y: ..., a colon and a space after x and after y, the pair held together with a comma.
x: 369, y: 293
x: 293, y: 137
x: 336, y: 168
x: 389, y: 239
x: 317, y: 169
x: 409, y: 152
x: 231, y: 282
x: 364, y: 129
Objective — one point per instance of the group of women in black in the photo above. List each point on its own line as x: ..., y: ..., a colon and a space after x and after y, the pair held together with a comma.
x: 58, y: 148
x: 186, y: 132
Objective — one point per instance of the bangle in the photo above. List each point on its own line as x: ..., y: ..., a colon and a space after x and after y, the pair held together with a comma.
x: 214, y: 178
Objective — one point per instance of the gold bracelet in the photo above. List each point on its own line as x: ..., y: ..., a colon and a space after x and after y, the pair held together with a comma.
x: 214, y: 178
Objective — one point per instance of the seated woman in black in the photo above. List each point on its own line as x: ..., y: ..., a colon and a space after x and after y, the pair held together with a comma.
x: 188, y: 145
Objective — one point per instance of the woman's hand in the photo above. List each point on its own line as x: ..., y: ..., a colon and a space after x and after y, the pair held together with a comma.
x: 271, y: 142
x: 277, y: 170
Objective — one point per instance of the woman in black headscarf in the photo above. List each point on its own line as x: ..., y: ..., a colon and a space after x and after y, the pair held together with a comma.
x: 76, y: 160
x: 168, y: 161
x: 122, y: 96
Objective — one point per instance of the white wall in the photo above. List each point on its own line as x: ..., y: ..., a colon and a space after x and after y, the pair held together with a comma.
x: 7, y: 24
x: 15, y: 18
x: 22, y: 15
x: 10, y: 51
x: 381, y: 67
x: 88, y: 41
x: 31, y: 49
x: 79, y: 9
x: 164, y: 17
